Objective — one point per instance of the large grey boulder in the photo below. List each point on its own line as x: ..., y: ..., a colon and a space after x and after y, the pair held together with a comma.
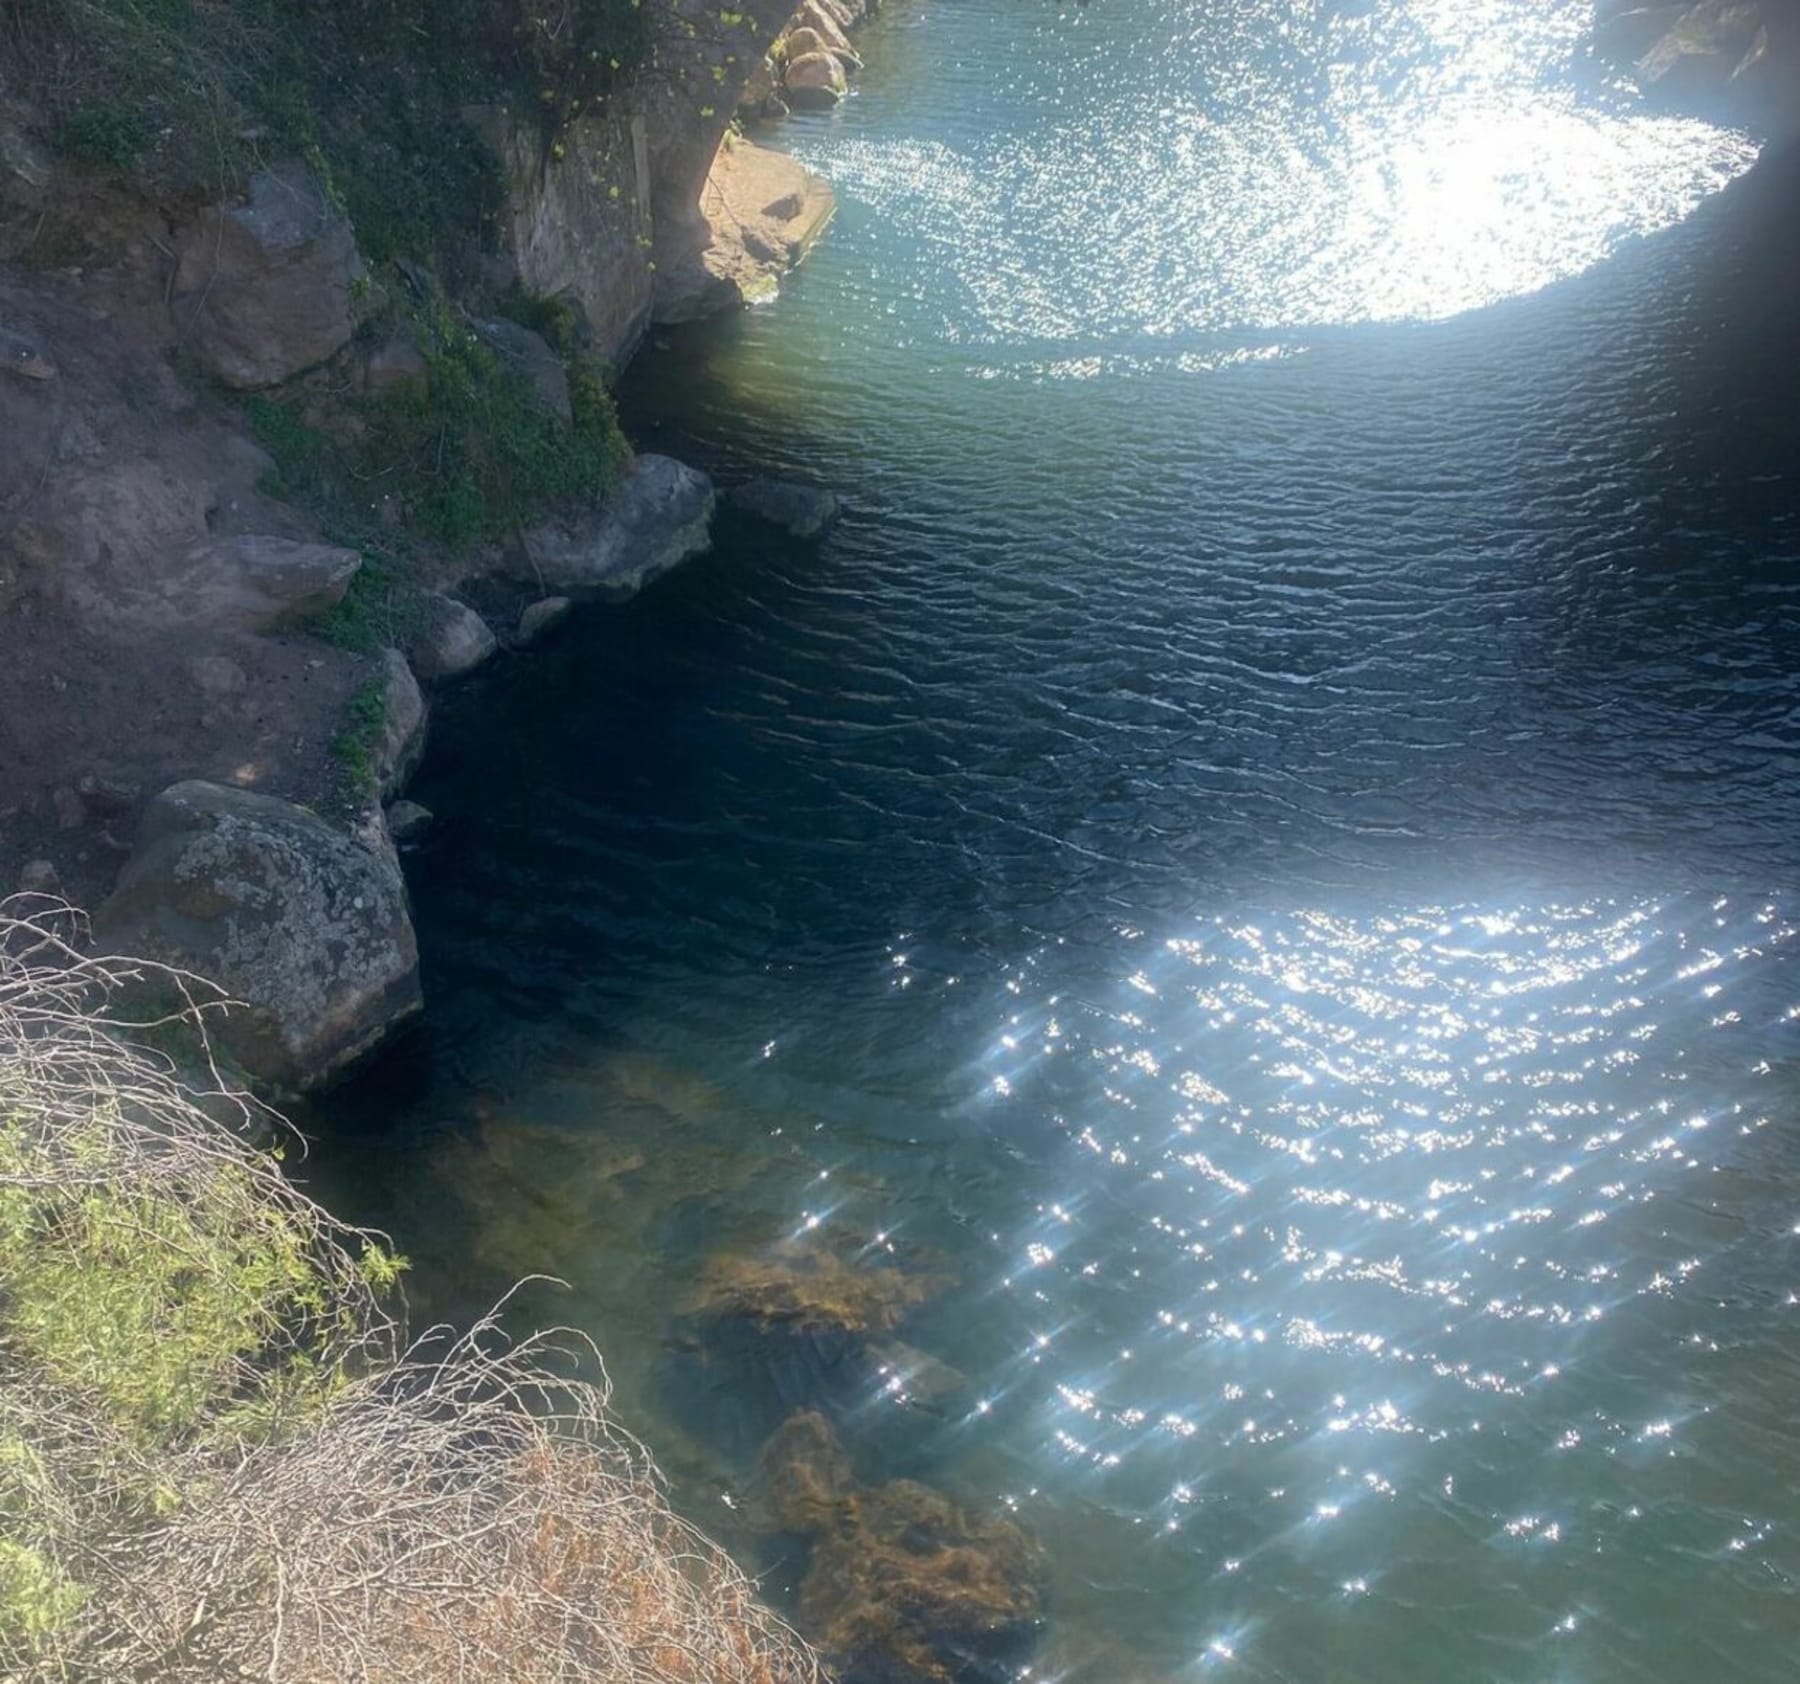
x: 814, y: 81
x: 528, y: 357
x: 404, y: 723
x: 661, y: 515
x: 259, y: 584
x: 448, y: 639
x: 302, y: 923
x: 1704, y: 51
x: 805, y: 511
x: 270, y: 287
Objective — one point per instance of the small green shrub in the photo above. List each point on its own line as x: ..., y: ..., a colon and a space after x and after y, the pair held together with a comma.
x: 379, y: 609
x: 301, y: 451
x: 477, y: 453
x: 468, y: 454
x: 143, y: 1304
x: 105, y: 136
x: 355, y: 746
x: 36, y: 1598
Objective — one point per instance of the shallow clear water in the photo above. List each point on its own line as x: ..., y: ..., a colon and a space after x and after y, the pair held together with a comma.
x: 1264, y: 846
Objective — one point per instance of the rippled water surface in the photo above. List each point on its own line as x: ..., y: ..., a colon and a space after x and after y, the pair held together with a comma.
x: 1263, y: 852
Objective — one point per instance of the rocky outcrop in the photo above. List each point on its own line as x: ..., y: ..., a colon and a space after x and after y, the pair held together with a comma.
x: 307, y: 927
x: 578, y: 225
x: 765, y: 210
x: 408, y: 822
x: 537, y: 620
x: 1734, y: 61
x: 661, y: 515
x: 803, y: 511
x: 271, y: 286
x: 259, y: 584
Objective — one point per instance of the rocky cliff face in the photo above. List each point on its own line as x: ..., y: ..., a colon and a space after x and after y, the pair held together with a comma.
x: 654, y: 211
x: 163, y: 579
x: 1733, y: 61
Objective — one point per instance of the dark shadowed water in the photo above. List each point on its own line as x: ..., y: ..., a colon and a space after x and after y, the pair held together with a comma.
x: 1266, y: 847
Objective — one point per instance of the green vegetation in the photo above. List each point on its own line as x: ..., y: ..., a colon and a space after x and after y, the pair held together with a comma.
x: 105, y: 137
x: 354, y: 748
x: 468, y: 452
x: 196, y: 93
x: 219, y: 1457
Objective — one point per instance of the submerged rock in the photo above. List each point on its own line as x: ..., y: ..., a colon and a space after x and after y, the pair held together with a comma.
x: 769, y: 1331
x: 907, y: 1587
x: 808, y: 1287
x: 661, y: 515
x: 805, y: 511
x: 272, y: 286
x: 303, y: 924
x: 805, y: 1475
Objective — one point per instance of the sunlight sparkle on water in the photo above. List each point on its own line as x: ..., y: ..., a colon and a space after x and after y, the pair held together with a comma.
x: 1384, y: 1147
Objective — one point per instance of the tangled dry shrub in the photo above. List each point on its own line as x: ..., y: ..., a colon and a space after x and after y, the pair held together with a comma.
x: 217, y: 1458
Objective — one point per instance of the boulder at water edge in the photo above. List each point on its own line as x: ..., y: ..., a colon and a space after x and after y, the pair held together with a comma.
x: 660, y: 515
x: 304, y: 924
x: 447, y: 639
x: 805, y: 511
x: 814, y: 81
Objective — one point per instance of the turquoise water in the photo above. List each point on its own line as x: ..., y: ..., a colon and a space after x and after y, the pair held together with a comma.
x: 1262, y: 852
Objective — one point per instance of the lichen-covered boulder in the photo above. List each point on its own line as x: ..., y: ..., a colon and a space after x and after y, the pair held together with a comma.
x: 805, y: 511
x: 814, y: 81
x: 661, y: 515
x: 303, y: 924
x: 257, y: 584
x: 271, y: 286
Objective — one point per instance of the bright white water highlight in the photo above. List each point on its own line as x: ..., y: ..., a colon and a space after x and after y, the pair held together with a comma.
x: 1186, y: 167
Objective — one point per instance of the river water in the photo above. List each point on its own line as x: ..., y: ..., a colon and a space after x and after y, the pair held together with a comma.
x: 1264, y: 848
